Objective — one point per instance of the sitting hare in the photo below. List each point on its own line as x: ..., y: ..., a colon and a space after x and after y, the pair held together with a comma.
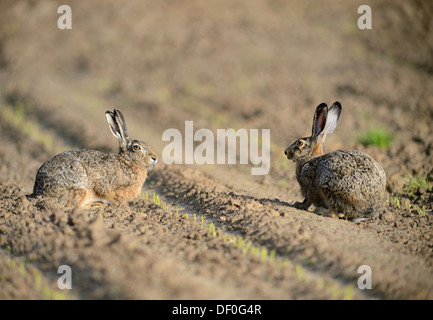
x: 345, y: 183
x: 85, y: 176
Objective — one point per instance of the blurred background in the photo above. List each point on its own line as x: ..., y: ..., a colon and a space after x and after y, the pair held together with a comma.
x: 223, y: 64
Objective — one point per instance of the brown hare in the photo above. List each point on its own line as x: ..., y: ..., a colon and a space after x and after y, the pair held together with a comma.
x: 82, y: 177
x: 345, y: 183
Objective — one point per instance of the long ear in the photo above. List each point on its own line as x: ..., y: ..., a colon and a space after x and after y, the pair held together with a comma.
x: 319, y: 120
x: 114, y: 128
x: 122, y: 124
x: 333, y: 116
x: 117, y: 128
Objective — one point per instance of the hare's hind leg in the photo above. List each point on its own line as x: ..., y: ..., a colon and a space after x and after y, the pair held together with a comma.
x: 78, y: 197
x: 304, y: 205
x: 118, y: 201
x: 326, y: 212
x: 84, y: 197
x: 329, y: 211
x: 123, y: 205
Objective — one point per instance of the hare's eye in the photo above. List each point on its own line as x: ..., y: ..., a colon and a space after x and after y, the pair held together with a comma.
x: 299, y: 144
x: 136, y: 147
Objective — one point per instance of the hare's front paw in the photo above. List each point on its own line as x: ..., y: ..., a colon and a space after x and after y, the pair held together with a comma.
x: 304, y: 205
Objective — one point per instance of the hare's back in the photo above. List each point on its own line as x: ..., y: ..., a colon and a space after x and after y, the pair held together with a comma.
x: 65, y: 171
x: 350, y: 171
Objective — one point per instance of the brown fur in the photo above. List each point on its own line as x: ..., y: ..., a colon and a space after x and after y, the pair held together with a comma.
x: 87, y: 176
x: 345, y: 183
x: 318, y: 148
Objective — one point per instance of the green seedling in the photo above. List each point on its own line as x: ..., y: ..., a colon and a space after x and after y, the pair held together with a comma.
x: 247, y: 246
x: 397, y: 202
x: 413, y: 183
x: 419, y: 210
x: 335, y: 292
x: 299, y: 272
x: 378, y: 137
x: 21, y: 268
x: 240, y: 242
x: 264, y: 254
x: 47, y: 293
x: 348, y: 293
x: 212, y: 230
x: 38, y: 279
x: 272, y: 255
x: 34, y: 274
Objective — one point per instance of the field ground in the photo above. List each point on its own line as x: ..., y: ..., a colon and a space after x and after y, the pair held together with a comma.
x: 216, y: 231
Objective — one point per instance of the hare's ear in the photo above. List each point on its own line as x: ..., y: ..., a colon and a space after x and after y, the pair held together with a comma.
x: 117, y: 127
x: 333, y: 116
x: 112, y: 124
x: 319, y: 120
x: 122, y: 124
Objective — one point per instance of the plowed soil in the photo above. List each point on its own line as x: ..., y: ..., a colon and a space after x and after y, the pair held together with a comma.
x: 214, y: 231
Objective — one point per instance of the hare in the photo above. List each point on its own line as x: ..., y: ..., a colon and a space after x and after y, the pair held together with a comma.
x: 82, y: 177
x: 345, y: 183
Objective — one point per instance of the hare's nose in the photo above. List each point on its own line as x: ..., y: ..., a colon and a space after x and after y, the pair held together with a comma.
x: 285, y: 152
x: 154, y: 159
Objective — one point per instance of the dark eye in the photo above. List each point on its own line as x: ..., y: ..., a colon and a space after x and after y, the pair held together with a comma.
x: 299, y: 144
x: 136, y: 147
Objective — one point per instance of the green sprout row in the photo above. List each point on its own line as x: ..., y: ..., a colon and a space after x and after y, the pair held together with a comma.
x: 264, y: 254
x: 258, y: 251
x: 37, y: 278
x: 415, y: 182
x: 16, y: 116
x: 407, y: 205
